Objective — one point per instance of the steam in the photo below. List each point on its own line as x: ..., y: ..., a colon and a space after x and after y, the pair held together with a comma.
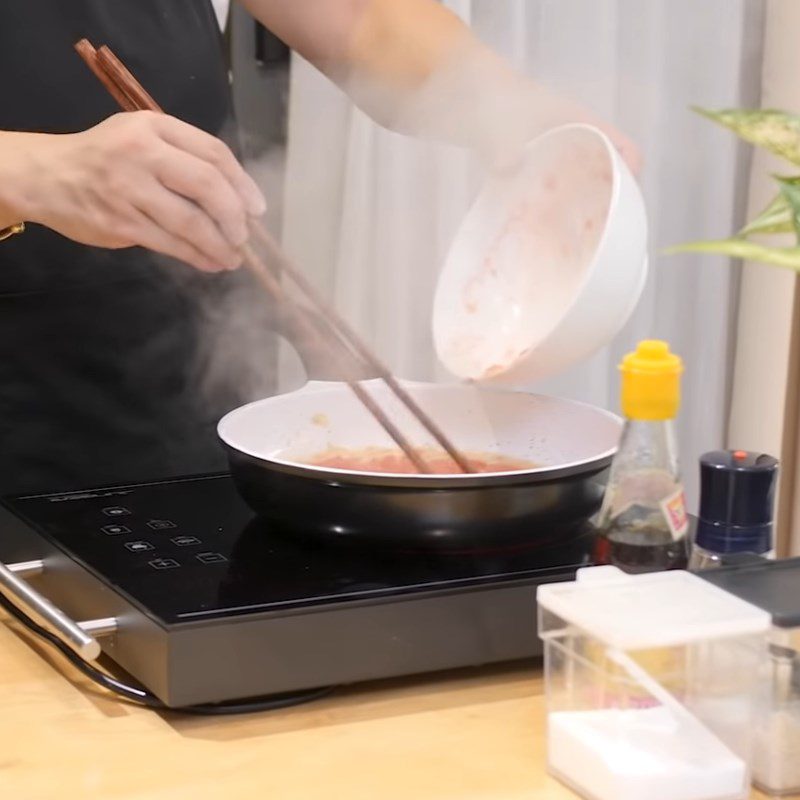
x: 236, y: 321
x: 473, y: 99
x: 240, y: 326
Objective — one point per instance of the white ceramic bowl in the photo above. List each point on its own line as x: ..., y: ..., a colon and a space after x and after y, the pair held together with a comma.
x: 548, y: 264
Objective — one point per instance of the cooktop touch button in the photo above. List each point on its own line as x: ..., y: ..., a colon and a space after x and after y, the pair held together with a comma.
x: 185, y: 541
x: 163, y: 563
x: 139, y: 547
x: 115, y: 530
x: 161, y: 524
x: 210, y: 558
x: 116, y: 511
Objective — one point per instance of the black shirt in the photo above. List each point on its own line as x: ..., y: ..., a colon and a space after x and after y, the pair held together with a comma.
x: 103, y: 353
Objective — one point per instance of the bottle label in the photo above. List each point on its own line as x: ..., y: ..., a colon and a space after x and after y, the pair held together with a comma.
x: 674, y: 509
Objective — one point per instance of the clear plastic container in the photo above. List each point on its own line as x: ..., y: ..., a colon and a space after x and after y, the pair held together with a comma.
x: 652, y: 685
x: 773, y: 587
x: 776, y: 762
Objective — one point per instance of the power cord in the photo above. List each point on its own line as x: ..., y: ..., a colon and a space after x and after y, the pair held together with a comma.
x: 141, y: 696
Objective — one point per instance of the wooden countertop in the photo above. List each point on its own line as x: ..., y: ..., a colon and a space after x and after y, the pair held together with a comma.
x: 471, y: 735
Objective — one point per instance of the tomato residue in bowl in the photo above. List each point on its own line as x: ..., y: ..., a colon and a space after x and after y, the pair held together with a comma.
x: 374, y: 459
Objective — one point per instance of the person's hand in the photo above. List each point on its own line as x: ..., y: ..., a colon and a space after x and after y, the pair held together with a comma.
x: 470, y: 96
x: 139, y: 178
x: 566, y: 111
x: 530, y: 110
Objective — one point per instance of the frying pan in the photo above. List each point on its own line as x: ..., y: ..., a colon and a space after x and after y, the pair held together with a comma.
x: 570, y: 443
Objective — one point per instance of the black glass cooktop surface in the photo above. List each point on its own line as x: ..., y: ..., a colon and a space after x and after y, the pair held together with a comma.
x: 191, y: 549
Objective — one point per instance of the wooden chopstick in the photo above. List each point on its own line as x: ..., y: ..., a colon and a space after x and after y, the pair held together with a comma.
x: 123, y: 78
x: 131, y: 95
x: 344, y: 330
x: 268, y: 280
x: 87, y: 52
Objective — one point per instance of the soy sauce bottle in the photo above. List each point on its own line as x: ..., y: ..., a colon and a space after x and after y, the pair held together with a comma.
x: 642, y: 525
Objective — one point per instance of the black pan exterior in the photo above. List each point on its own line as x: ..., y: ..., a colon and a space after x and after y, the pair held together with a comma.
x: 409, y: 512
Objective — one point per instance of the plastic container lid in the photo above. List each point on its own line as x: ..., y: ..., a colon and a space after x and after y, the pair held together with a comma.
x: 773, y: 586
x: 634, y: 612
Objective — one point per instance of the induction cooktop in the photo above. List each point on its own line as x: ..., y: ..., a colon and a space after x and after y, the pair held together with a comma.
x: 203, y: 601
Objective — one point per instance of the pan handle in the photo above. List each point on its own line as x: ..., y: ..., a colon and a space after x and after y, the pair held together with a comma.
x: 76, y: 634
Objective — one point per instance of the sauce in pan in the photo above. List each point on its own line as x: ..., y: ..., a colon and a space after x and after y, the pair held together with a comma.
x: 374, y: 459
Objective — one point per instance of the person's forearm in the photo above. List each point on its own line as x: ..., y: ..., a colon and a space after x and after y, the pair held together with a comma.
x: 402, y: 43
x: 8, y: 218
x: 411, y: 64
x: 416, y: 68
x: 13, y: 158
x: 399, y: 43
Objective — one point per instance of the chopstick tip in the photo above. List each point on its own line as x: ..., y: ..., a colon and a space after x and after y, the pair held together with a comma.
x: 84, y: 46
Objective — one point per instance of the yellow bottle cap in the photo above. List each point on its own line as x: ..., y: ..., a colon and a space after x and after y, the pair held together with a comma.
x: 651, y: 382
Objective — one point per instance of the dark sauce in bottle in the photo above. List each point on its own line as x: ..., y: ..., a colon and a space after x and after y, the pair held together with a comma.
x: 640, y: 548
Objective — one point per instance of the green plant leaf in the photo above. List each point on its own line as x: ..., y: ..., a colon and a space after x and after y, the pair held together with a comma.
x: 788, y: 257
x: 775, y: 218
x: 774, y: 130
x: 790, y: 190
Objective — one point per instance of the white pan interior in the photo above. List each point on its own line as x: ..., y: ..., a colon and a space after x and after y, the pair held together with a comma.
x: 551, y: 432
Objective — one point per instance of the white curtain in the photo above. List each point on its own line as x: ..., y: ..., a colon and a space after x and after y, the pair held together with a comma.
x: 369, y: 213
